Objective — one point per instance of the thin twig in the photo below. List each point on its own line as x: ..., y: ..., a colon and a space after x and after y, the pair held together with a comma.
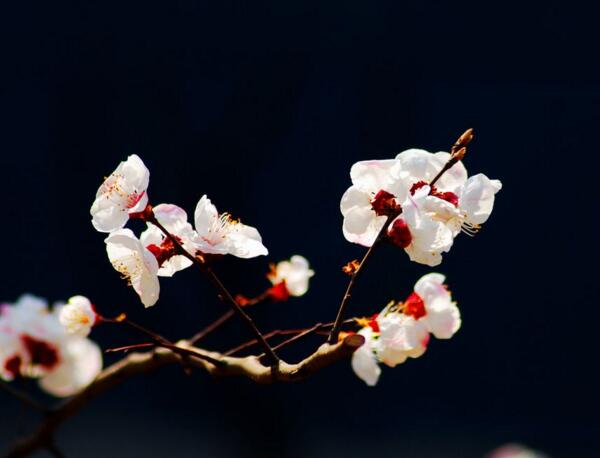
x: 211, y: 327
x: 333, y: 336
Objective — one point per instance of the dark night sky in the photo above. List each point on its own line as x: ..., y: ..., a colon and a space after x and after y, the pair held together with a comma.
x: 265, y: 106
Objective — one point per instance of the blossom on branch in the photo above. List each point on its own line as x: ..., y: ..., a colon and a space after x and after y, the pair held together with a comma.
x: 221, y: 234
x: 78, y: 316
x: 135, y: 263
x: 174, y: 220
x: 122, y: 194
x: 34, y: 344
x: 290, y: 276
x: 402, y: 330
x: 430, y: 196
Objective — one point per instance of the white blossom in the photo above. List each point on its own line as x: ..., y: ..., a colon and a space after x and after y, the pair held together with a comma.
x: 124, y: 192
x: 34, y: 343
x: 78, y: 316
x: 220, y: 234
x: 135, y: 263
x: 295, y: 274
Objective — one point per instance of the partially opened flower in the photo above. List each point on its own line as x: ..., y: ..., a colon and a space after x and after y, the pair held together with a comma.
x: 123, y: 193
x: 292, y: 276
x: 374, y: 195
x: 78, y: 316
x: 364, y: 360
x: 135, y: 263
x: 81, y: 362
x: 221, y: 234
x: 174, y: 220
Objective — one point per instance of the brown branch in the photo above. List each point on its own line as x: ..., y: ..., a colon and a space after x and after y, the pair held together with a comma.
x: 211, y: 327
x: 142, y: 363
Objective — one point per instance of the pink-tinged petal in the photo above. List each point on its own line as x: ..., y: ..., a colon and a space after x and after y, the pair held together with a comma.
x: 453, y: 178
x: 354, y: 197
x: 443, y: 318
x: 205, y: 216
x: 431, y: 286
x: 401, y: 337
x: 372, y: 176
x: 81, y: 363
x: 364, y: 360
x: 477, y: 198
x: 361, y: 225
x: 135, y: 172
x: 245, y: 242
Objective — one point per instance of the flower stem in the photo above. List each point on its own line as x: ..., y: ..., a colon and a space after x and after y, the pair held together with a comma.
x: 333, y: 335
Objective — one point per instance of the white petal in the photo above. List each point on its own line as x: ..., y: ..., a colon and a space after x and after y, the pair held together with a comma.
x: 477, y: 198
x: 364, y: 361
x: 362, y: 225
x: 204, y: 216
x: 442, y: 319
x: 245, y: 242
x: 81, y: 364
x: 354, y: 197
x: 372, y: 176
x: 453, y: 178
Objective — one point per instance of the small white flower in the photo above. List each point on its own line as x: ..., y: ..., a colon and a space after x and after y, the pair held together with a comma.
x: 122, y: 193
x: 364, y: 360
x: 135, y: 263
x: 361, y: 221
x: 295, y: 273
x: 174, y: 220
x: 515, y: 451
x: 401, y: 337
x: 220, y: 234
x: 81, y: 362
x: 78, y: 316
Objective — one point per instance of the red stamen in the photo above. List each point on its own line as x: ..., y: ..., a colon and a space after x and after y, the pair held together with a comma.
x: 400, y: 234
x: 447, y: 196
x: 384, y: 204
x: 373, y: 323
x: 414, y: 306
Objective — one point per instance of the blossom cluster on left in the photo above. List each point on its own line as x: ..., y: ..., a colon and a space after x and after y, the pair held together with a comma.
x: 169, y: 242
x: 49, y: 344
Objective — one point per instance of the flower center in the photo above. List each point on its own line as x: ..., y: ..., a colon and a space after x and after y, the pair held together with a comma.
x: 400, y: 234
x: 448, y: 196
x: 279, y: 292
x: 414, y: 306
x: 41, y: 353
x: 384, y: 204
x: 165, y: 251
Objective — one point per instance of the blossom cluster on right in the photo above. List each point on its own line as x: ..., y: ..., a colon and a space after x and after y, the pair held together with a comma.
x: 427, y: 216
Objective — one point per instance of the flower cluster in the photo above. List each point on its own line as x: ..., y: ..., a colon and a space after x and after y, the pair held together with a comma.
x: 427, y: 210
x: 124, y: 195
x: 36, y: 343
x: 401, y: 330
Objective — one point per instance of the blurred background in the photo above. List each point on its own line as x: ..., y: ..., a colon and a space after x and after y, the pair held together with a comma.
x: 265, y: 106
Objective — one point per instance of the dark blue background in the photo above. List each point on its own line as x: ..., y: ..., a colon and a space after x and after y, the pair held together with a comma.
x: 265, y: 106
